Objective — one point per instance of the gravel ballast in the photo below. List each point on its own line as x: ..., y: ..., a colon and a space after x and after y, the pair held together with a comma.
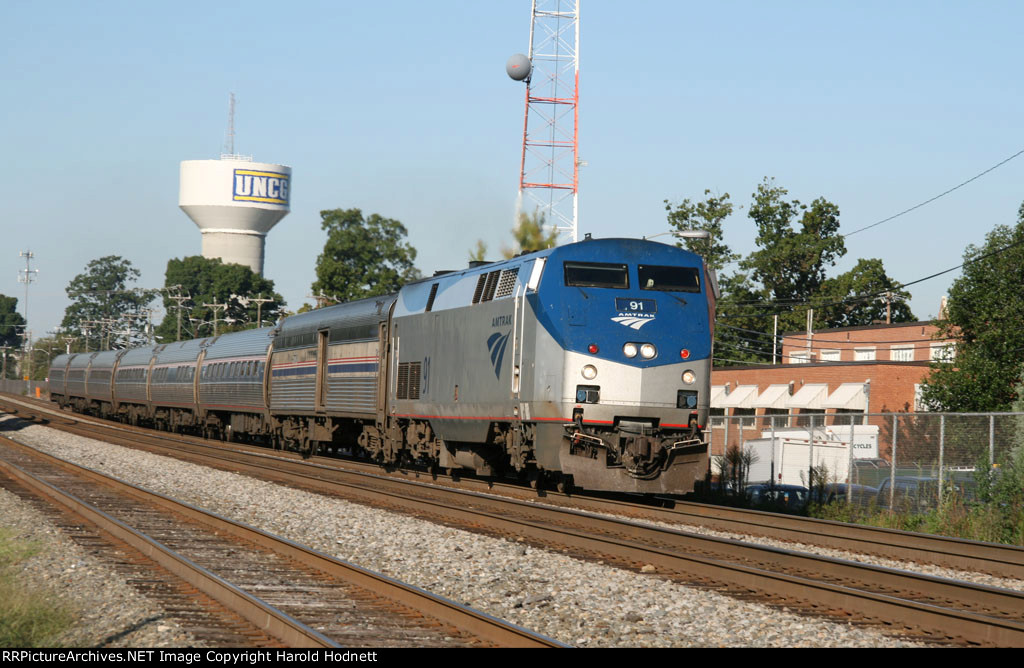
x: 108, y: 611
x: 578, y: 602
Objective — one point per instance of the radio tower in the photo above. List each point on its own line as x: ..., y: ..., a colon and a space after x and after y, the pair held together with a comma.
x: 549, y: 171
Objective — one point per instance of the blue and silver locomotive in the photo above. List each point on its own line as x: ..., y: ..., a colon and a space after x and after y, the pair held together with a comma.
x: 588, y: 365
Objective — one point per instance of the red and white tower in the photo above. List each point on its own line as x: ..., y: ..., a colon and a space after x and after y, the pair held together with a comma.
x: 549, y: 171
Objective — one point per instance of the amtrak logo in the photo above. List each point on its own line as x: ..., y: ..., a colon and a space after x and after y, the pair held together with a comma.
x: 258, y: 186
x: 496, y: 343
x: 633, y: 321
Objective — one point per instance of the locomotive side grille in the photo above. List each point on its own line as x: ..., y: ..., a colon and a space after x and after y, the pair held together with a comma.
x: 492, y: 283
x: 408, y: 380
x: 402, y: 391
x: 479, y: 288
x: 430, y: 299
x: 506, y: 283
x: 414, y: 379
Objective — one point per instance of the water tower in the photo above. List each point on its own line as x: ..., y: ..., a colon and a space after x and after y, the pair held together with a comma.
x: 235, y: 202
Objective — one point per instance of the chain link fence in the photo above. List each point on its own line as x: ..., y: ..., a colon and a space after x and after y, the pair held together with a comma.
x: 905, y: 461
x: 34, y: 388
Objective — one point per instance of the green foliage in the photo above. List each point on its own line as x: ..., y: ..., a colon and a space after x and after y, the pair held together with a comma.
x: 479, y: 252
x: 708, y: 215
x: 11, y: 328
x: 791, y: 263
x: 211, y: 281
x: 530, y: 235
x: 44, y: 351
x: 984, y: 313
x: 834, y: 304
x: 104, y: 310
x: 27, y: 618
x: 786, y: 275
x: 363, y: 257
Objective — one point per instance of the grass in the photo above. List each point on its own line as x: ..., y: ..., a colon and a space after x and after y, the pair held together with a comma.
x: 993, y: 521
x: 28, y: 617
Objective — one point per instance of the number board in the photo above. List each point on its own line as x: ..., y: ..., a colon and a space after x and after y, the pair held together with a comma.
x: 627, y: 305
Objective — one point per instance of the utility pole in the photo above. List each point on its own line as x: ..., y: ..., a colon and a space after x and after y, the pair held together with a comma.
x: 214, y: 308
x: 810, y: 331
x: 27, y: 276
x: 180, y: 299
x: 260, y: 301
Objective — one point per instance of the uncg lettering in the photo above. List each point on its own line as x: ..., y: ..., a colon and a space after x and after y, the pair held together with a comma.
x: 261, y: 186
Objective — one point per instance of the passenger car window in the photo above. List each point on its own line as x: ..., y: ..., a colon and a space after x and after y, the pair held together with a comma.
x: 669, y: 279
x: 596, y: 275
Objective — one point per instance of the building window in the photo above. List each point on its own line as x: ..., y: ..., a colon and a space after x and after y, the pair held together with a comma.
x: 848, y: 416
x: 901, y: 354
x: 801, y: 357
x: 775, y: 417
x: 942, y: 352
x: 829, y: 355
x: 864, y: 354
x: 717, y: 417
x: 809, y: 417
x: 745, y: 415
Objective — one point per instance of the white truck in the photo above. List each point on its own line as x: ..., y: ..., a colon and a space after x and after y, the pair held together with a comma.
x: 787, y: 454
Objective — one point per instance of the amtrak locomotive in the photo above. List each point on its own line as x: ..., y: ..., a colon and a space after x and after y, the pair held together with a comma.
x: 587, y: 365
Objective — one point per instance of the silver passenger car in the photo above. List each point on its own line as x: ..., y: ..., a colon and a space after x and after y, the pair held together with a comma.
x: 172, y: 383
x: 347, y: 337
x: 58, y: 377
x: 231, y: 377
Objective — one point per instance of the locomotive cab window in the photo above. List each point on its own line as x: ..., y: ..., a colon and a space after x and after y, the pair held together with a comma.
x: 669, y: 279
x: 596, y: 275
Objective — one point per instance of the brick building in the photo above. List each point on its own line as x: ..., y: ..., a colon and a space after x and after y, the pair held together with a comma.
x: 833, y: 376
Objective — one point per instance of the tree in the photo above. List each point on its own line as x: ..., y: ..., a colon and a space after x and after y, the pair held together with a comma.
x: 44, y: 351
x: 12, y: 326
x: 985, y: 314
x: 200, y: 282
x: 363, y: 257
x: 786, y: 275
x: 837, y: 303
x: 530, y: 235
x: 708, y: 215
x: 791, y: 263
x: 479, y: 252
x: 104, y: 309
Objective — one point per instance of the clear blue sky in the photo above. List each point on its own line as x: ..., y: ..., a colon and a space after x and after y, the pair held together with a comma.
x: 403, y: 108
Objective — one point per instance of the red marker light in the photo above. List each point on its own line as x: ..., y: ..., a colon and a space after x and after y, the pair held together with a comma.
x: 684, y: 353
x: 592, y: 348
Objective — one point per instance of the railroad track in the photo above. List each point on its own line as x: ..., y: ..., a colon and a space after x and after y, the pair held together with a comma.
x: 943, y: 610
x: 216, y: 573
x: 996, y: 559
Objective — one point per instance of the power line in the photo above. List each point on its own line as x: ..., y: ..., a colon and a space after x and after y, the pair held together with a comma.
x: 900, y: 286
x: 929, y: 201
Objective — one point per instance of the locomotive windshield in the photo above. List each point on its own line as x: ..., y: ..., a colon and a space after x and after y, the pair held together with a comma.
x: 596, y: 275
x: 669, y: 279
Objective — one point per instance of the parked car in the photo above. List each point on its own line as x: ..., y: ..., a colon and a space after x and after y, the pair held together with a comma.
x: 914, y: 493
x: 778, y: 497
x: 842, y: 492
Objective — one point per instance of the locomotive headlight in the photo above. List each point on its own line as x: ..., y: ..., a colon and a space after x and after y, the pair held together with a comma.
x: 689, y: 378
x: 630, y: 350
x: 590, y: 372
x: 648, y: 351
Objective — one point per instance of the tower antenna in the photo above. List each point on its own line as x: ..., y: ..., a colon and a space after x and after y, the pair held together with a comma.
x: 549, y: 168
x: 229, y: 145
